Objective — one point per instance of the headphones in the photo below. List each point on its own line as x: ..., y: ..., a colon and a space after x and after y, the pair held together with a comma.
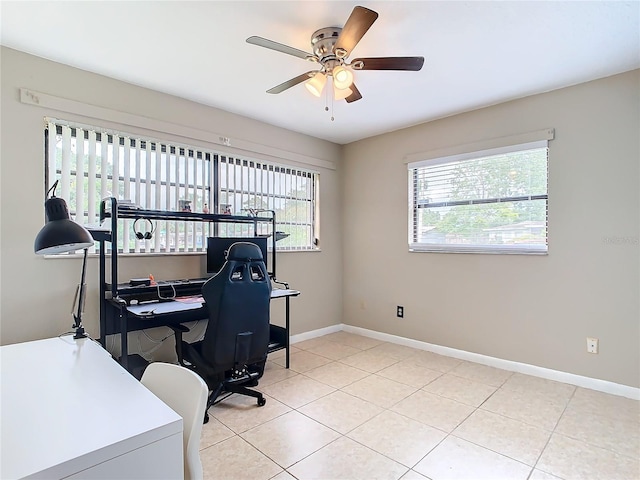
x: 144, y: 235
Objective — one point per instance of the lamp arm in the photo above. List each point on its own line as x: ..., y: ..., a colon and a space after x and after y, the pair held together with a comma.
x: 81, y: 296
x: 53, y: 188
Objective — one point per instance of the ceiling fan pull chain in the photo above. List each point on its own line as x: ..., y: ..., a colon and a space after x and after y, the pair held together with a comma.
x: 329, y: 93
x: 326, y: 99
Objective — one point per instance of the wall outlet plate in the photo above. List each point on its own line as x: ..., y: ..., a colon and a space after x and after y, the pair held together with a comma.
x: 592, y: 345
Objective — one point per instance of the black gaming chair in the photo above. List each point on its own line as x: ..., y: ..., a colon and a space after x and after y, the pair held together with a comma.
x: 232, y: 355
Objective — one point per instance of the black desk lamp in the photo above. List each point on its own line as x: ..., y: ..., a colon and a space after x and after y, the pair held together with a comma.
x: 60, y: 235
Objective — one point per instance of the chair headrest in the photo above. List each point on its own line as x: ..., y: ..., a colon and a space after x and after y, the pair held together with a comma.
x: 244, y: 252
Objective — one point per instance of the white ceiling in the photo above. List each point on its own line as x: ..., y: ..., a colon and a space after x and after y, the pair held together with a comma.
x: 476, y: 53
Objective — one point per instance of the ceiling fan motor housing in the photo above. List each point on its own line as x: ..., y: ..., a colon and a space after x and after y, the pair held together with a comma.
x: 323, y: 41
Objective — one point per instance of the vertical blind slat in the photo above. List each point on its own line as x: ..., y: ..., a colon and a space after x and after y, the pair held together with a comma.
x: 52, y: 155
x: 148, y: 179
x: 178, y: 194
x: 104, y: 162
x: 137, y: 169
x: 167, y: 193
x: 91, y: 193
x: 80, y: 157
x: 203, y: 195
x: 146, y: 154
x: 66, y: 162
x: 126, y: 162
x: 191, y: 167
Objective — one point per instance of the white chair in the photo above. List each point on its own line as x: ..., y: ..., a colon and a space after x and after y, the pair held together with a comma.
x: 186, y: 393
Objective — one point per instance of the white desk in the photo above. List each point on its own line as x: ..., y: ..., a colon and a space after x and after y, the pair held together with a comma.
x: 70, y: 411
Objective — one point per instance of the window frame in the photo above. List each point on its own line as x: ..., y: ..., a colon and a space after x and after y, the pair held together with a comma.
x: 469, y: 155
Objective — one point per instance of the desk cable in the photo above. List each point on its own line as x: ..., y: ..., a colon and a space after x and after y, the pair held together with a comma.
x: 158, y: 343
x: 148, y: 354
x: 173, y: 295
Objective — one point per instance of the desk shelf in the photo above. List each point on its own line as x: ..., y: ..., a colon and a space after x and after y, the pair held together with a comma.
x: 112, y: 211
x: 277, y: 338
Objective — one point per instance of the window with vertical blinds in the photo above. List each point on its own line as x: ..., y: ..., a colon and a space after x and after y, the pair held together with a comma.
x: 254, y: 186
x: 92, y: 163
x: 491, y: 201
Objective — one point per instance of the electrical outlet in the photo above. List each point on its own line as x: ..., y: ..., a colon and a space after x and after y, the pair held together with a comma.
x: 592, y: 345
x: 400, y: 311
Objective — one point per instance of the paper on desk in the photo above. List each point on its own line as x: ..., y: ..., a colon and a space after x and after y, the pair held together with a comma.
x: 161, y: 307
x: 191, y: 299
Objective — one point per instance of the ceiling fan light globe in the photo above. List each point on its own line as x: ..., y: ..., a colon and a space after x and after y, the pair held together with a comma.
x: 316, y: 83
x: 342, y: 77
x: 341, y: 93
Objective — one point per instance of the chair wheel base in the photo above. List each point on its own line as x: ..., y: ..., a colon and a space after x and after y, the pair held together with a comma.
x: 206, y: 418
x: 262, y: 401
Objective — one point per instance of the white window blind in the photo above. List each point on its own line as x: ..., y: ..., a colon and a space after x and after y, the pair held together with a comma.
x: 491, y: 201
x: 251, y: 186
x: 92, y: 163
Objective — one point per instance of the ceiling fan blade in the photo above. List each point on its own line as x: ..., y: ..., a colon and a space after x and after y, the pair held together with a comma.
x: 357, y: 25
x: 355, y: 95
x: 291, y: 83
x: 388, y: 63
x: 279, y: 47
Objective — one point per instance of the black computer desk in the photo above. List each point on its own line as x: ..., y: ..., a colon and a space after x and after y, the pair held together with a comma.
x: 139, y: 308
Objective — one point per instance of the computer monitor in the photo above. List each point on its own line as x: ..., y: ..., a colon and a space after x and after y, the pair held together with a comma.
x: 217, y: 248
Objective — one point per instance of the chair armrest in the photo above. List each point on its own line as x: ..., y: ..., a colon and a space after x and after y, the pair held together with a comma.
x: 284, y: 284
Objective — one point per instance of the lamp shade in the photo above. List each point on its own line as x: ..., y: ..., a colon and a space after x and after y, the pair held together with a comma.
x: 316, y: 83
x: 341, y: 93
x: 342, y: 77
x: 60, y: 234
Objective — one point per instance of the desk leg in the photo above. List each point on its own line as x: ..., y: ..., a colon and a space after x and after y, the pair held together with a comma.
x: 287, y: 331
x: 103, y: 323
x: 124, y: 347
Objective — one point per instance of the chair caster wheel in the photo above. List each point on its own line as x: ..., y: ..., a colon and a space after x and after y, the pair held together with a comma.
x: 261, y: 402
x: 206, y: 418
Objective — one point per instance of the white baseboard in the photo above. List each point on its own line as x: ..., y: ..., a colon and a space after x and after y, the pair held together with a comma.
x: 558, y: 376
x: 301, y: 337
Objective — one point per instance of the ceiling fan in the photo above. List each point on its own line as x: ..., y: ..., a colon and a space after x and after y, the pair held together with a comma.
x: 331, y: 46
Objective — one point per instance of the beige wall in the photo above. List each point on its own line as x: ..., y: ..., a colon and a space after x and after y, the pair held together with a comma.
x: 36, y: 294
x: 536, y: 310
x: 532, y: 309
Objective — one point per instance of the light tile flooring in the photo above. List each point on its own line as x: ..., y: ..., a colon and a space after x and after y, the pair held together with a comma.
x: 351, y: 407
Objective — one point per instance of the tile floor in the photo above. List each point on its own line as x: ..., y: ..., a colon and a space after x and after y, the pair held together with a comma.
x: 351, y: 407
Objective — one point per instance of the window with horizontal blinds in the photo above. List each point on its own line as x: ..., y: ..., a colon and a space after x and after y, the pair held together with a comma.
x: 165, y: 175
x: 491, y: 201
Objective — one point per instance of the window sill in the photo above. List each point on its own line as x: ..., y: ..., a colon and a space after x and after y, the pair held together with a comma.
x: 297, y: 250
x: 497, y: 250
x: 156, y: 254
